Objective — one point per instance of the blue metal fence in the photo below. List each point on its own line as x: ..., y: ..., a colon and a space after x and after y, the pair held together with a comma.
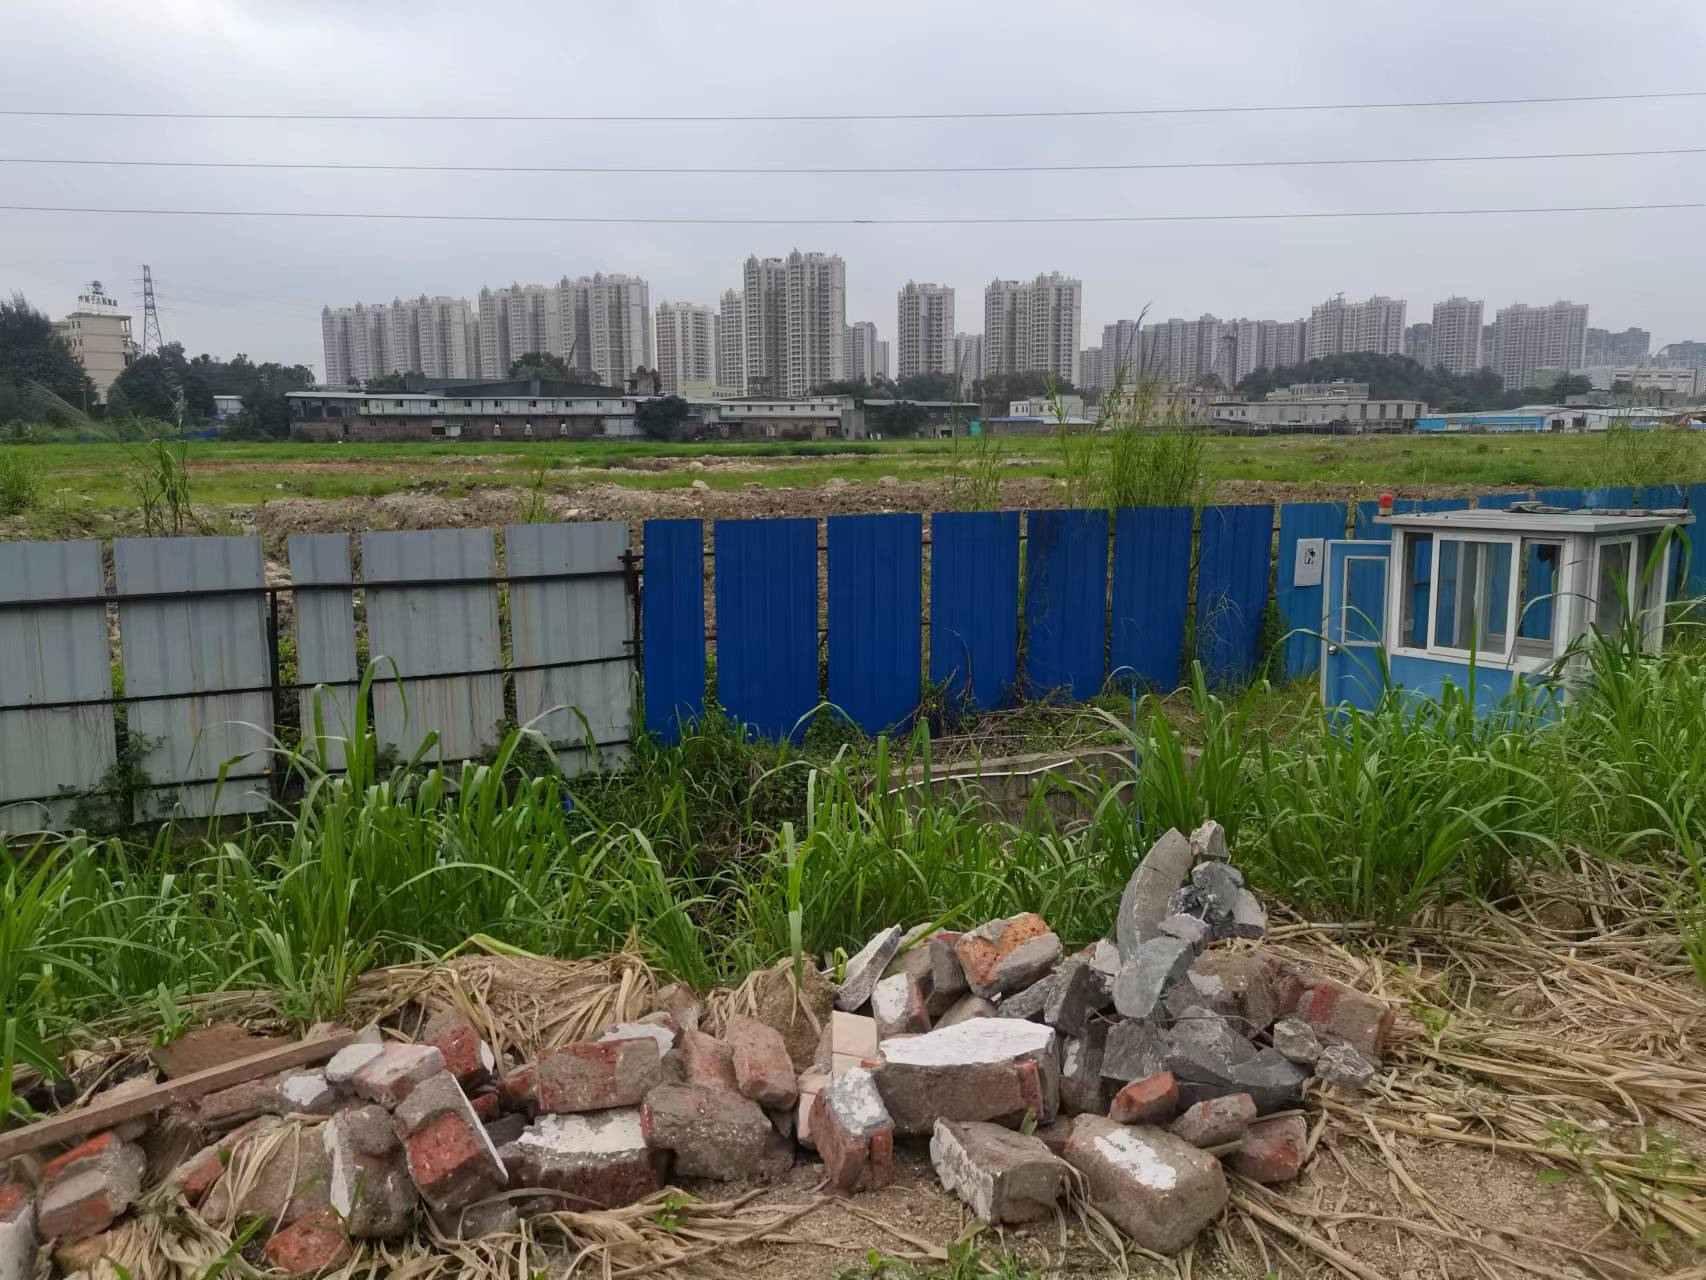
x: 1084, y: 621
x: 876, y: 660
x: 767, y: 622
x: 974, y: 605
x: 1066, y: 603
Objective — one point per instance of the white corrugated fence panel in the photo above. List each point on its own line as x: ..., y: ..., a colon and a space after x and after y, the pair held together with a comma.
x: 325, y: 639
x: 52, y: 653
x: 199, y: 646
x: 573, y: 620
x: 428, y: 630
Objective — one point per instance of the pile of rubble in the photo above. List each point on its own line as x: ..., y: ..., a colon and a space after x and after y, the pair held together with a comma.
x: 1135, y: 1071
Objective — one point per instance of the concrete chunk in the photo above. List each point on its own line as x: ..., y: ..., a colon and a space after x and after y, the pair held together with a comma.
x: 984, y: 1069
x: 1189, y: 929
x: 1238, y: 985
x: 17, y: 1233
x: 713, y: 1133
x: 1082, y: 1087
x: 90, y: 1188
x: 947, y: 975
x: 368, y: 1184
x: 899, y: 1004
x: 866, y: 969
x: 1215, y: 1121
x: 1143, y: 905
x: 1296, y: 1040
x: 1134, y: 1051
x: 1153, y: 968
x: 965, y: 1009
x: 1158, y: 1189
x: 1342, y: 1066
x: 1002, y: 1175
x: 1209, y: 841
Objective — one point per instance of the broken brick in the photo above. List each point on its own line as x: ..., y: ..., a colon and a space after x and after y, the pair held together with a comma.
x: 987, y: 1069
x: 450, y: 1157
x: 1361, y: 1020
x: 1156, y: 1188
x: 310, y: 1245
x: 1152, y: 1100
x: 593, y: 1160
x: 763, y: 1070
x: 707, y: 1061
x: 1002, y: 1175
x: 900, y: 1006
x: 390, y: 1075
x: 853, y: 1132
x: 713, y: 1133
x: 1008, y: 955
x: 1272, y: 1150
x: 466, y: 1056
x: 595, y: 1077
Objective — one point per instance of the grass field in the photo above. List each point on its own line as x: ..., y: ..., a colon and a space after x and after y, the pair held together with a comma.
x: 237, y: 474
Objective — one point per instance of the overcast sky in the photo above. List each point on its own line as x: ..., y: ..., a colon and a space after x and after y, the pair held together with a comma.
x: 257, y: 285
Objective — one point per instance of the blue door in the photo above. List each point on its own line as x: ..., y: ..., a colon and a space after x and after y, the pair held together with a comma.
x: 1353, y: 660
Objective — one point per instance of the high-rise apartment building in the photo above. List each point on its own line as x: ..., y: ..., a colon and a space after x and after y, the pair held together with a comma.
x: 796, y: 322
x: 98, y: 334
x: 862, y: 351
x: 1089, y: 369
x: 1606, y: 348
x: 1185, y: 352
x: 1419, y: 343
x: 883, y: 358
x: 1527, y: 339
x: 356, y: 343
x: 1284, y: 343
x: 607, y: 326
x: 495, y: 354
x: 533, y: 315
x: 1337, y: 326
x: 439, y: 337
x: 731, y: 342
x: 1122, y: 347
x: 1032, y: 325
x: 1456, y: 336
x: 686, y: 345
x: 968, y: 360
x: 924, y: 329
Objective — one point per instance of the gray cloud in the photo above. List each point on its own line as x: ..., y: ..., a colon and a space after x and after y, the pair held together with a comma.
x: 257, y: 285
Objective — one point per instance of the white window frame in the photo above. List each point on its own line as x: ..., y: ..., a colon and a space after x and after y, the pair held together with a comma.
x: 1558, y: 595
x: 1397, y: 581
x: 1631, y: 587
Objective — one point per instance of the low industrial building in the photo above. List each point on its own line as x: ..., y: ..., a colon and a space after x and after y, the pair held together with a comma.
x: 1538, y: 418
x: 545, y: 410
x: 1331, y: 410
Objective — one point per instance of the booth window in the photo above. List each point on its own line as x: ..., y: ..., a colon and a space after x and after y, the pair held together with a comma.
x: 1613, y: 583
x: 1418, y: 580
x: 1535, y: 635
x: 1472, y: 594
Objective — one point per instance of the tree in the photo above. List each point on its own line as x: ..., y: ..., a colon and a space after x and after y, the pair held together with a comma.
x: 390, y: 381
x: 894, y: 420
x: 844, y: 387
x: 542, y: 365
x: 1572, y: 384
x: 997, y: 391
x: 33, y: 355
x: 1393, y: 378
x: 926, y: 386
x: 164, y: 386
x: 661, y: 418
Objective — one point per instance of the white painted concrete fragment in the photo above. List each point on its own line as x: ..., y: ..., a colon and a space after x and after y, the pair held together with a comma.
x: 593, y: 1133
x: 351, y: 1059
x: 982, y: 1040
x: 1124, y: 1148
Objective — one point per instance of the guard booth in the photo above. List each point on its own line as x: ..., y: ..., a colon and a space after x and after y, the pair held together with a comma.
x: 1486, y: 598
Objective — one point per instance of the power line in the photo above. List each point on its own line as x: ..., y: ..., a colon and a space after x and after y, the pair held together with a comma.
x: 857, y: 116
x: 345, y: 167
x: 847, y: 222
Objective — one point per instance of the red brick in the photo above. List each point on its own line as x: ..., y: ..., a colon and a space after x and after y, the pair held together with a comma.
x: 452, y: 1161
x: 763, y: 1070
x: 981, y: 955
x: 465, y: 1055
x: 515, y: 1091
x: 706, y: 1061
x: 11, y: 1197
x: 197, y: 1175
x: 310, y: 1245
x: 398, y: 1068
x: 1154, y: 1100
x: 853, y: 1132
x: 1272, y: 1150
x: 1362, y: 1021
x: 596, y: 1077
x: 100, y: 1145
x: 486, y: 1105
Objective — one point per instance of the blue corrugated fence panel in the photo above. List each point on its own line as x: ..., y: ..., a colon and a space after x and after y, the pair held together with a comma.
x: 1574, y: 499
x: 876, y: 567
x: 767, y: 622
x: 1364, y: 526
x: 673, y: 625
x: 1499, y: 501
x: 1066, y: 595
x: 1662, y: 497
x: 1439, y: 504
x: 1232, y: 589
x: 1152, y: 589
x: 974, y: 604
x: 1300, y: 607
x: 1618, y: 497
